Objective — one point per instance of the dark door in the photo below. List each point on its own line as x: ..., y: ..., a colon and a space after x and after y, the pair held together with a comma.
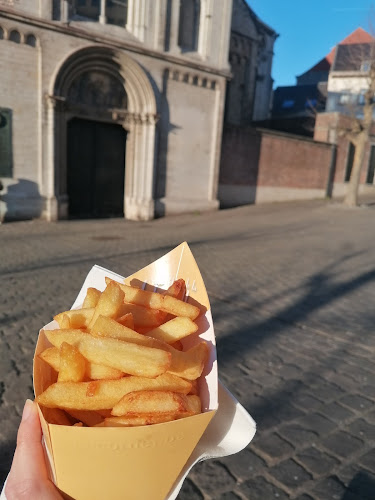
x: 349, y: 162
x: 371, y: 167
x: 96, y: 169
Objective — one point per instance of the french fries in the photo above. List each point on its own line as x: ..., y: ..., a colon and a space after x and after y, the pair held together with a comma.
x: 120, y: 359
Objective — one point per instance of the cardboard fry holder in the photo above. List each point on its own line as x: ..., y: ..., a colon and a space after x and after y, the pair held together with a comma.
x: 148, y: 462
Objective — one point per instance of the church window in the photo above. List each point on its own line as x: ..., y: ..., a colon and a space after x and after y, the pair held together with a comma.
x: 30, y: 40
x: 189, y: 25
x: 88, y: 9
x: 117, y: 12
x: 15, y: 36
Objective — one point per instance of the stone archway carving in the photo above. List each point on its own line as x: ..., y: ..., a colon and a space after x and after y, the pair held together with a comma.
x: 107, y: 85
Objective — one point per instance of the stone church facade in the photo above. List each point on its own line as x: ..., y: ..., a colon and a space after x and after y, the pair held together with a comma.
x: 111, y: 108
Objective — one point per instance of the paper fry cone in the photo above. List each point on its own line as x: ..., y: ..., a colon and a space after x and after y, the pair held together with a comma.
x: 138, y: 463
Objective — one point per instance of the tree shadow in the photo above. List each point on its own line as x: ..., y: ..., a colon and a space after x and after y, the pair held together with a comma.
x: 362, y: 486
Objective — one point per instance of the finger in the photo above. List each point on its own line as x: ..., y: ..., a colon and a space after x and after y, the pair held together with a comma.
x: 28, y: 477
x: 28, y: 461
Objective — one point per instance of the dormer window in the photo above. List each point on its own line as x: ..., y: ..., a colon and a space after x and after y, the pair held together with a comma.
x: 189, y: 25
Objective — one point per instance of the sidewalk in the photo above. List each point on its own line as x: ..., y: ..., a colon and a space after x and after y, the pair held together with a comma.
x: 292, y: 287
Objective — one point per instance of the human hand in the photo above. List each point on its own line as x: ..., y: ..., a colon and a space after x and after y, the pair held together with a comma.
x: 28, y: 476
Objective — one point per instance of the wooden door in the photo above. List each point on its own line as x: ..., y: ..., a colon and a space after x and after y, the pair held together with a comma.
x: 96, y: 169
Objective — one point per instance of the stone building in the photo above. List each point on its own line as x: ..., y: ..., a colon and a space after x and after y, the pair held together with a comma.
x: 111, y: 107
x: 248, y: 101
x: 250, y: 55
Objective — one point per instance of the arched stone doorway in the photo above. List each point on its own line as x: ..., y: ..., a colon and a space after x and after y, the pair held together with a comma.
x: 101, y: 99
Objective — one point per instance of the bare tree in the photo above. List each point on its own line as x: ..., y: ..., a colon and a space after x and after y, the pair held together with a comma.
x: 360, y: 59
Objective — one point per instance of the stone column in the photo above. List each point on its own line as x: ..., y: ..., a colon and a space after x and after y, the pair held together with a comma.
x: 64, y: 11
x: 175, y: 24
x: 102, y: 16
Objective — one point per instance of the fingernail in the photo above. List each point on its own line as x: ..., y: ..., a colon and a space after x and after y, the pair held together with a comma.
x: 27, y: 409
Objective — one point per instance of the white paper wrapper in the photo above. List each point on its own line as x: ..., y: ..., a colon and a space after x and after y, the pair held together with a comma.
x: 224, y: 427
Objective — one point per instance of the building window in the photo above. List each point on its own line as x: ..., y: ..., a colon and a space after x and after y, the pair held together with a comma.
x: 361, y: 97
x: 30, y: 40
x: 365, y: 66
x: 349, y: 162
x: 1, y: 33
x: 15, y: 36
x: 5, y: 142
x: 88, y: 9
x: 188, y: 32
x: 311, y: 103
x: 287, y: 103
x: 344, y: 97
x: 117, y: 12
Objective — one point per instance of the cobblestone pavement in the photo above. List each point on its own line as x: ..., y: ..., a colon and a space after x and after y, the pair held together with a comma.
x: 292, y: 288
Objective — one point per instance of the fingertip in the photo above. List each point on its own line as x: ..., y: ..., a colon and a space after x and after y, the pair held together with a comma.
x: 29, y: 429
x: 27, y: 409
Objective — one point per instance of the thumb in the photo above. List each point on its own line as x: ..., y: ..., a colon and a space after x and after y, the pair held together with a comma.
x: 28, y: 475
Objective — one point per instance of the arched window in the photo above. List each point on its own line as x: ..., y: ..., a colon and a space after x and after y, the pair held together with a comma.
x: 30, y: 40
x: 15, y: 36
x: 1, y: 33
x: 189, y: 25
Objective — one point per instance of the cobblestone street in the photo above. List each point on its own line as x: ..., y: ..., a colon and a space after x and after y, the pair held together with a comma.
x: 292, y: 289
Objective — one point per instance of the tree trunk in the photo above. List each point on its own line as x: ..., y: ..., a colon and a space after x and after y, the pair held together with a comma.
x: 351, y: 197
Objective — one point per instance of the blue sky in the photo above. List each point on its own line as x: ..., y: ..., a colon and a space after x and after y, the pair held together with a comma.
x: 308, y: 30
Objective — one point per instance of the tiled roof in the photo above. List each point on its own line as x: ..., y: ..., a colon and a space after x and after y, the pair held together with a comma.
x: 358, y: 36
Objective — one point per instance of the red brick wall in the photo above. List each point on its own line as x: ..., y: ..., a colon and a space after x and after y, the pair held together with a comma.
x: 239, y: 156
x: 265, y: 158
x: 287, y: 161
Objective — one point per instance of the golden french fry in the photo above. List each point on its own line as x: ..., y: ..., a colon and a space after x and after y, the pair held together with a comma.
x: 89, y: 418
x: 149, y: 402
x: 143, y: 316
x: 189, y: 364
x: 107, y: 327
x: 72, y: 364
x: 92, y: 298
x: 65, y: 321
x: 186, y: 364
x: 109, y: 303
x: 194, y: 404
x: 77, y: 318
x: 177, y: 289
x: 126, y: 320
x: 158, y: 301
x: 173, y: 330
x: 96, y: 371
x: 127, y: 357
x: 93, y: 371
x: 73, y: 395
x: 136, y: 420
